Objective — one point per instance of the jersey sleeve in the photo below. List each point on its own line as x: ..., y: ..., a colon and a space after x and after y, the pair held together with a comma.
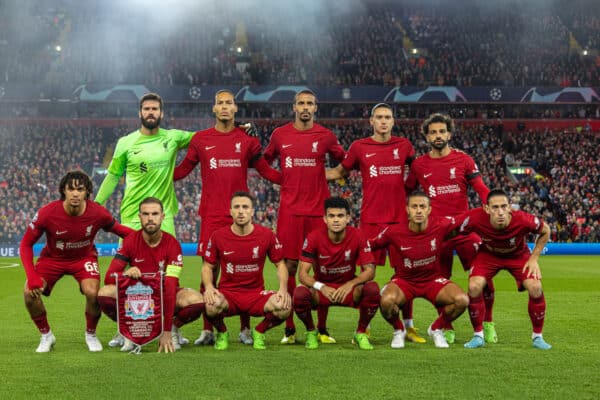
x: 32, y: 234
x: 211, y: 252
x: 350, y: 160
x: 118, y: 164
x: 336, y: 151
x: 275, y: 250
x: 380, y: 241
x: 365, y: 255
x: 272, y: 150
x: 465, y: 222
x: 189, y: 162
x: 534, y: 224
x: 309, y: 250
x: 118, y: 263
x: 183, y: 138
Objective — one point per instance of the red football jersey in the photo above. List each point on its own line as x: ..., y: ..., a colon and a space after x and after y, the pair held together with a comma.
x: 508, y: 242
x: 242, y: 258
x: 137, y: 253
x: 445, y: 180
x: 302, y: 161
x: 419, y: 252
x: 382, y: 167
x: 224, y: 161
x: 69, y: 237
x: 336, y: 262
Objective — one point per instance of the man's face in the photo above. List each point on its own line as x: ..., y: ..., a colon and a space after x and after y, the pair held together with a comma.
x: 418, y: 209
x: 336, y: 219
x: 382, y: 121
x: 75, y: 193
x: 437, y: 135
x: 151, y: 217
x: 225, y: 107
x: 241, y: 211
x: 151, y: 114
x: 499, y: 211
x: 305, y: 107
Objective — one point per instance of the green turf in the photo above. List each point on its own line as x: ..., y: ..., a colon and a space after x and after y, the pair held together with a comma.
x: 511, y: 369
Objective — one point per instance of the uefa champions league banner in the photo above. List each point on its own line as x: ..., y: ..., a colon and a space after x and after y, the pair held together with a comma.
x: 140, y: 307
x: 285, y: 93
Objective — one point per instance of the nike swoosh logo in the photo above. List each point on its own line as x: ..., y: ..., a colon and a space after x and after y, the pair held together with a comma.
x: 138, y: 260
x: 285, y: 146
x: 209, y: 147
x: 136, y: 152
x: 226, y: 253
x: 405, y: 248
x: 60, y: 232
x: 427, y: 175
x: 369, y: 155
x: 322, y: 256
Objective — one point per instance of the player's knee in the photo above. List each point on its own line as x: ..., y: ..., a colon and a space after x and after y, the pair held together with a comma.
x: 108, y: 291
x: 461, y: 300
x: 475, y: 288
x: 534, y: 288
x: 370, y: 293
x: 187, y: 297
x: 282, y: 313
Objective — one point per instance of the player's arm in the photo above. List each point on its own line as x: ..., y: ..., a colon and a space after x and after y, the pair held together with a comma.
x: 282, y: 277
x: 381, y: 241
x: 210, y: 291
x: 35, y: 283
x: 266, y: 171
x: 480, y: 187
x: 117, y: 265
x: 118, y: 229
x: 531, y: 266
x: 337, y: 172
x: 116, y: 169
x: 367, y: 274
x: 188, y: 164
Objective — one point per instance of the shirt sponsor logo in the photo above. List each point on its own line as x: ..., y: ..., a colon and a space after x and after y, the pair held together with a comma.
x: 72, y: 245
x: 300, y: 162
x: 336, y: 270
x: 212, y: 163
x: 419, y: 263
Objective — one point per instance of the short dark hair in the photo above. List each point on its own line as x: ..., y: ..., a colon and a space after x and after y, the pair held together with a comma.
x: 497, y: 193
x: 304, y: 91
x: 244, y: 194
x: 224, y: 91
x: 337, y: 202
x: 417, y: 193
x: 381, y: 105
x: 75, y: 176
x: 437, y: 118
x: 151, y: 200
x: 151, y: 97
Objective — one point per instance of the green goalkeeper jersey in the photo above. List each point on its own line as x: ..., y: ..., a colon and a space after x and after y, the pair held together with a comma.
x: 148, y: 162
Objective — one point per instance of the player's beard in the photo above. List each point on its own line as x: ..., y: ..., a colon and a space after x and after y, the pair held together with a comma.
x: 151, y: 230
x: 439, y: 145
x: 150, y: 125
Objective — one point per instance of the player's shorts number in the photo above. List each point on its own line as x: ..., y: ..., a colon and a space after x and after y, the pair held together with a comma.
x: 91, y: 266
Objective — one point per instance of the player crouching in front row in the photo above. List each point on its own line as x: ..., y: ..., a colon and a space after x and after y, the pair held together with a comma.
x: 419, y: 243
x: 241, y: 250
x: 333, y: 253
x: 151, y: 250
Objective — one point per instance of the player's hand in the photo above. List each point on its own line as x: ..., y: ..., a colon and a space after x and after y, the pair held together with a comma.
x: 340, y: 293
x: 34, y: 286
x: 211, y: 296
x: 250, y: 128
x: 165, y: 343
x: 328, y: 292
x: 284, y: 299
x: 532, y: 269
x: 133, y: 272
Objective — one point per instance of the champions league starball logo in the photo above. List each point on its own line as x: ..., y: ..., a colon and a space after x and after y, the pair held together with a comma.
x: 139, y: 303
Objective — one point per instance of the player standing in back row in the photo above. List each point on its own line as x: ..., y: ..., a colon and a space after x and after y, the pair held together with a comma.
x: 301, y: 147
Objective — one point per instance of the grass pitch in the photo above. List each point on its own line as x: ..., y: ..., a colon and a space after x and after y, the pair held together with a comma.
x: 511, y: 369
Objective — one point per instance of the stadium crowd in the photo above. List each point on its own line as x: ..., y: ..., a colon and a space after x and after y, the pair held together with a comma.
x: 563, y: 190
x: 478, y: 43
